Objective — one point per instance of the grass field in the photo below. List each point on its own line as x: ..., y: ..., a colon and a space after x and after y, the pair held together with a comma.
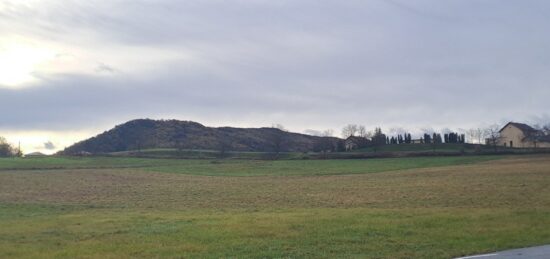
x: 385, y: 151
x: 227, y: 167
x: 206, y: 154
x: 436, y: 207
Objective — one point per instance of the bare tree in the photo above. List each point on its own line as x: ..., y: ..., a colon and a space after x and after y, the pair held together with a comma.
x: 362, y: 131
x: 350, y: 130
x: 18, y: 152
x: 328, y: 133
x: 369, y: 134
x: 493, y: 135
x: 544, y: 130
x: 537, y: 135
x: 472, y: 135
x: 476, y: 135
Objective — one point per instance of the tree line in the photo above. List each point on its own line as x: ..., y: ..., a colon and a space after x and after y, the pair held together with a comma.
x: 378, y: 137
x: 7, y: 150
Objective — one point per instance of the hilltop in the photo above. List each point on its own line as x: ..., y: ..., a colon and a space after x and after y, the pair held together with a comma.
x: 147, y: 134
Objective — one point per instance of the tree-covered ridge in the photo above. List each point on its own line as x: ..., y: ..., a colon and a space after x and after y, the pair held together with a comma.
x: 146, y: 133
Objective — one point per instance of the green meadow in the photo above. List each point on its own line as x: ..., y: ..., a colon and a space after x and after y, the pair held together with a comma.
x: 237, y: 167
x: 426, y: 207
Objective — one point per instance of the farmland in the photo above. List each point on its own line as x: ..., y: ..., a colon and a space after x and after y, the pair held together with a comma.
x: 430, y: 207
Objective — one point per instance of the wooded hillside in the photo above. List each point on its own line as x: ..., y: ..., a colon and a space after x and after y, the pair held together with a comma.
x: 146, y: 133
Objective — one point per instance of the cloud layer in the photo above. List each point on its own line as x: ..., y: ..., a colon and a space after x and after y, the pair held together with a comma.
x: 306, y: 64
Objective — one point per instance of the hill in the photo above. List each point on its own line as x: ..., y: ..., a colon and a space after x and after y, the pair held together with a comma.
x: 146, y: 134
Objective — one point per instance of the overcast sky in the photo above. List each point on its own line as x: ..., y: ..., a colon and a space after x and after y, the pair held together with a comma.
x: 71, y: 69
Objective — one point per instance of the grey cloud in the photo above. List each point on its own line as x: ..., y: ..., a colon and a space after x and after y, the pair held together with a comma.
x: 302, y: 63
x: 49, y: 146
x: 102, y: 68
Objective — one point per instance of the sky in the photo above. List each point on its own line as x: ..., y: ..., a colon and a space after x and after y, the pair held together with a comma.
x: 74, y: 68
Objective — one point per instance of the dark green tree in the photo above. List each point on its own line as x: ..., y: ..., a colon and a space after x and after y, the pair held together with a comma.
x: 378, y: 139
x: 6, y: 150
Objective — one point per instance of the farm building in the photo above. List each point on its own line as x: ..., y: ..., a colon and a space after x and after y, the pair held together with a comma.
x: 417, y: 141
x: 354, y: 142
x: 521, y: 135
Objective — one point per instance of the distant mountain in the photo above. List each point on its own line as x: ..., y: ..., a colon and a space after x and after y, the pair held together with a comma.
x: 146, y: 134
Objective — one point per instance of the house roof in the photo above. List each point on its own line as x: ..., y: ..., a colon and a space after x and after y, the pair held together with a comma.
x: 523, y: 127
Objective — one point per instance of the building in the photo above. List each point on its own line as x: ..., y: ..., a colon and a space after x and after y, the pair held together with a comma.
x: 354, y: 142
x: 521, y: 135
x: 417, y: 141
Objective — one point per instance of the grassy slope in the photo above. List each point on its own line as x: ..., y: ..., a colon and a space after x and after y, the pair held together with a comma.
x: 313, y: 167
x: 240, y: 167
x: 206, y: 154
x: 370, y: 152
x: 428, y: 213
x: 47, y: 163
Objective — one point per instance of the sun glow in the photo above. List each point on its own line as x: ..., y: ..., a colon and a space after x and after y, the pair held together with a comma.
x: 19, y: 62
x: 34, y: 141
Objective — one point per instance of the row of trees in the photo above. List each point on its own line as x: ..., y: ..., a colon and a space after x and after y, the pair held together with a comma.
x: 354, y: 130
x: 7, y: 150
x: 400, y: 139
x: 434, y: 138
x: 474, y: 135
x: 480, y: 135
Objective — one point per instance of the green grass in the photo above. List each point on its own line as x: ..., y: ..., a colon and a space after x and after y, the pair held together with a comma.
x: 240, y: 167
x: 46, y: 163
x: 297, y: 233
x: 312, y: 167
x: 432, y: 207
x: 207, y: 154
x: 385, y: 151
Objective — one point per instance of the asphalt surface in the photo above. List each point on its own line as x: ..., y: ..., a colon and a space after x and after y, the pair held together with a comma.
x: 537, y: 252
